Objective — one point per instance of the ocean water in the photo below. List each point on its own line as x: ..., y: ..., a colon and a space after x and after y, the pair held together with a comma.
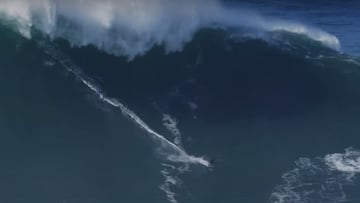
x: 187, y: 101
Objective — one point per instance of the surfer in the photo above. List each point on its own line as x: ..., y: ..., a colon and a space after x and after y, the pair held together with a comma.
x: 212, y: 162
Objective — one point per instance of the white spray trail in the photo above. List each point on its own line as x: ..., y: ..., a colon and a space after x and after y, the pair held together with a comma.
x: 178, y: 155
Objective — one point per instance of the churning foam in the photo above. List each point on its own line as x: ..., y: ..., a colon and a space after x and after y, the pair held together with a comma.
x: 348, y: 162
x: 132, y: 27
x: 319, y: 179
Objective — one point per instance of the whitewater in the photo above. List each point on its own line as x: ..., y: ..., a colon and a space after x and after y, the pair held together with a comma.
x: 132, y: 27
x: 268, y: 102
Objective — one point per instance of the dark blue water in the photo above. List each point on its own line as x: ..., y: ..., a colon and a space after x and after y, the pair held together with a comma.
x: 232, y: 117
x: 340, y: 18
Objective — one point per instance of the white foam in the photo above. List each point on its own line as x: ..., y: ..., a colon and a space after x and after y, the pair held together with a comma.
x: 319, y: 179
x: 167, y: 185
x: 174, y: 152
x: 170, y: 181
x: 172, y: 125
x: 348, y: 162
x: 132, y: 27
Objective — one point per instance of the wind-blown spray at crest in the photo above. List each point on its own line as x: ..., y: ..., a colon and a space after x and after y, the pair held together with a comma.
x: 132, y: 27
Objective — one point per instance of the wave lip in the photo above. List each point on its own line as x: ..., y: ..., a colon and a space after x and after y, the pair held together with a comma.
x: 132, y: 27
x: 326, y: 39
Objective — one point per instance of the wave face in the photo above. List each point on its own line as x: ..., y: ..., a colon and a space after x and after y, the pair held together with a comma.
x: 227, y: 99
x: 131, y: 28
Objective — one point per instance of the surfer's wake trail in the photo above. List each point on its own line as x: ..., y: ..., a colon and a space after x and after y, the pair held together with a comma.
x: 198, y: 63
x: 177, y: 154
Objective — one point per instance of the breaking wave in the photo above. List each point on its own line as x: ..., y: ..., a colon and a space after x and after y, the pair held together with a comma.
x: 132, y: 27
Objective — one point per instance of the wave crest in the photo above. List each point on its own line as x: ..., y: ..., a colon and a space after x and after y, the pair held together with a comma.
x: 132, y: 27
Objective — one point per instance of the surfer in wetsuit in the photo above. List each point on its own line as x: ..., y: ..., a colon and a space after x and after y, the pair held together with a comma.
x: 212, y: 162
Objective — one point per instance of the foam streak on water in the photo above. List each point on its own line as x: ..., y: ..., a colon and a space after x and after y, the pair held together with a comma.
x: 171, y: 123
x: 319, y: 179
x: 176, y: 154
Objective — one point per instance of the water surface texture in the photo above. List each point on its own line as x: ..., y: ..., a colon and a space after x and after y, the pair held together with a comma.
x: 192, y: 101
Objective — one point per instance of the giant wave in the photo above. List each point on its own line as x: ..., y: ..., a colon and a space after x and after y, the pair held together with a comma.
x: 131, y: 28
x: 204, y: 42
